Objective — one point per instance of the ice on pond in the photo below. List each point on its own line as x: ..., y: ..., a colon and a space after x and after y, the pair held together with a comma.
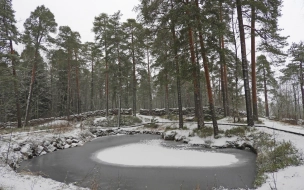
x: 152, y: 153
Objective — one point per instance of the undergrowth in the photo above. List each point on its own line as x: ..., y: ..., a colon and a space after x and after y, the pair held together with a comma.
x: 206, y: 132
x: 273, y: 156
x: 172, y: 117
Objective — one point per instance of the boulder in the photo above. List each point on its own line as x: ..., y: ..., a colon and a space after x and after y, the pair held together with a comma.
x: 169, y: 135
x: 46, y: 143
x: 69, y: 141
x: 26, y: 150
x: 179, y: 137
x: 51, y: 148
x: 16, y: 147
x: 74, y: 144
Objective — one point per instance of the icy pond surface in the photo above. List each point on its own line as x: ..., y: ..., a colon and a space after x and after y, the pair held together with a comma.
x: 146, y: 162
x: 156, y: 153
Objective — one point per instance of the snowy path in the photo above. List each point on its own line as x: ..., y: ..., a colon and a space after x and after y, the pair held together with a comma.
x: 290, y: 177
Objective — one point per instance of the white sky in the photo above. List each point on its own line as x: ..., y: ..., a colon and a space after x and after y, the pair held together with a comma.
x: 79, y: 14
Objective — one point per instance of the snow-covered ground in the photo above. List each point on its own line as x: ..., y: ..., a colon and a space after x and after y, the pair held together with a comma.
x: 288, y: 178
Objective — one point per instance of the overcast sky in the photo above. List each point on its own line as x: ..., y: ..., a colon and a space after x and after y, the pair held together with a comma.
x: 79, y: 14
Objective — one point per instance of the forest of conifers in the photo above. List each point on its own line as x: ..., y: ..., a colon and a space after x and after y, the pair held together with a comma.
x: 177, y: 53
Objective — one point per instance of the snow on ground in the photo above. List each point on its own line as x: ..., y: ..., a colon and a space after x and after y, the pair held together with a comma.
x: 99, y: 119
x: 54, y: 123
x: 152, y: 153
x: 10, y: 180
x: 283, y: 126
x: 290, y: 177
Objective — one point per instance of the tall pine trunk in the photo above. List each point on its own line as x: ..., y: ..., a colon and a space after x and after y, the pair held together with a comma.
x: 107, y: 68
x: 302, y: 83
x: 92, y: 83
x: 253, y: 66
x: 265, y: 92
x: 134, y: 74
x: 223, y: 67
x: 235, y: 110
x: 16, y: 91
x: 207, y: 76
x: 30, y: 94
x: 197, y: 95
x: 77, y: 85
x: 149, y: 82
x: 178, y: 77
x: 244, y: 64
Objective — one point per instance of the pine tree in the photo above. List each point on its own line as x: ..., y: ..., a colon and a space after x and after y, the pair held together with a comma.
x: 244, y: 63
x: 9, y: 33
x: 101, y: 30
x: 265, y: 79
x: 134, y: 34
x: 37, y: 31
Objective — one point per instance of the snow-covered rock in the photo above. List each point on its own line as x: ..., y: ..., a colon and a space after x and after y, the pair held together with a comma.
x: 67, y: 146
x: 16, y: 147
x: 74, y: 144
x: 26, y: 150
x: 51, y: 148
x: 169, y: 135
x: 69, y: 141
x: 179, y: 137
x: 46, y: 143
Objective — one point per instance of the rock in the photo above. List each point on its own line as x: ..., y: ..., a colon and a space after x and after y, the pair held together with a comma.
x: 26, y: 150
x: 16, y: 147
x: 38, y: 150
x: 169, y: 135
x: 75, y: 141
x: 74, y: 144
x: 43, y: 153
x: 186, y: 140
x: 69, y: 141
x: 67, y: 146
x: 51, y: 148
x: 81, y: 143
x: 179, y: 137
x: 46, y: 143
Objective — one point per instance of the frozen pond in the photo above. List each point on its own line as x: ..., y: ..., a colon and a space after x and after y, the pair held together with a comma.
x: 146, y: 162
x: 156, y: 153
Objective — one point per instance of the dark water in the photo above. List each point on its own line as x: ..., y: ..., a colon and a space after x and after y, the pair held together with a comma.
x: 77, y: 165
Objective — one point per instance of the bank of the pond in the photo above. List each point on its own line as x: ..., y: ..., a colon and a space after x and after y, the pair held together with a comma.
x: 77, y: 165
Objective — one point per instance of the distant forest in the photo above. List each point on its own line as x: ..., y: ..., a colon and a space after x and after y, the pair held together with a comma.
x: 177, y: 53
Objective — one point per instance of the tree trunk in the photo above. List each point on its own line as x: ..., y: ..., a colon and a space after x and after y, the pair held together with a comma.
x: 235, y: 110
x: 92, y: 84
x: 207, y: 76
x: 178, y: 80
x: 167, y: 95
x: 197, y: 96
x: 16, y: 91
x: 265, y: 92
x: 149, y: 82
x: 302, y: 83
x: 68, y: 87
x: 107, y: 68
x: 30, y: 94
x: 295, y: 100
x: 223, y: 69
x: 77, y: 85
x: 253, y: 66
x: 244, y: 64
x: 134, y: 75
